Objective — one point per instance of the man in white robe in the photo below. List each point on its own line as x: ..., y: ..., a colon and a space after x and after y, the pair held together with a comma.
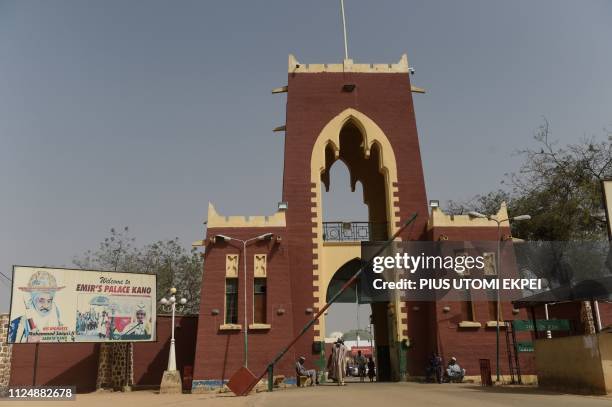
x: 336, y: 365
x: 41, y: 311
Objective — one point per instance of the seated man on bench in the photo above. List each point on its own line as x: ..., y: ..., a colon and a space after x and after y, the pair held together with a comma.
x: 300, y: 370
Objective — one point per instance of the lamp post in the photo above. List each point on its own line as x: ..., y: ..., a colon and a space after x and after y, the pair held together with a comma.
x: 265, y: 236
x: 169, y: 304
x: 475, y: 214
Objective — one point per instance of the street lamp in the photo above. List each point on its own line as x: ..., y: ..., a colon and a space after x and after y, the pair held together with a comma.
x: 518, y: 218
x: 169, y: 304
x: 265, y: 236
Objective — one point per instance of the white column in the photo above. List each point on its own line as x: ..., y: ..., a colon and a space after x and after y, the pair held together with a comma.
x: 172, y: 357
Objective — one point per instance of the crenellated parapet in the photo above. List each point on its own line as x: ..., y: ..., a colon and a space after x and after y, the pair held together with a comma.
x: 348, y: 66
x: 439, y: 219
x: 215, y: 220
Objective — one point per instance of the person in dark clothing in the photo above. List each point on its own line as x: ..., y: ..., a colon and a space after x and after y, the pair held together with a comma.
x: 434, y: 368
x: 371, y: 369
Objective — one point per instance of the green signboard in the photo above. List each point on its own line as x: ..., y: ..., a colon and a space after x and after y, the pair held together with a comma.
x: 542, y: 324
x: 524, y: 346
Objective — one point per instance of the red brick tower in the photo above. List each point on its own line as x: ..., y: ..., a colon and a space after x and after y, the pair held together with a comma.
x: 363, y: 115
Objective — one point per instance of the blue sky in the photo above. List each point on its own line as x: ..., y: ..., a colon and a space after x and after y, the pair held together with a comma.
x: 138, y: 113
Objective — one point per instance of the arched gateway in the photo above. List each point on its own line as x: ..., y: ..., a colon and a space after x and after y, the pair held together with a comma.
x: 363, y: 115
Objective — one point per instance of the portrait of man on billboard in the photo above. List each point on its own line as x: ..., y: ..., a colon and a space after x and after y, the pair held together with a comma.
x: 140, y: 327
x: 41, y: 310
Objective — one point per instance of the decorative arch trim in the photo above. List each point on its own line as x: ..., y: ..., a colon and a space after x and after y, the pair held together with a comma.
x: 323, y: 267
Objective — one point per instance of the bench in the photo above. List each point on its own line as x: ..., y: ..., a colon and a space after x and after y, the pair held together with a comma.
x: 278, y: 380
x: 302, y: 381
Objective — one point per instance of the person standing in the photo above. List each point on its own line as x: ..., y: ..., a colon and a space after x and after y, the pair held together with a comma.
x: 336, y: 365
x: 371, y: 369
x: 361, y: 365
x: 434, y: 370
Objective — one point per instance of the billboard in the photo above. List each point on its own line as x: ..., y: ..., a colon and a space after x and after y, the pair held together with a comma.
x: 50, y: 305
x: 607, y: 193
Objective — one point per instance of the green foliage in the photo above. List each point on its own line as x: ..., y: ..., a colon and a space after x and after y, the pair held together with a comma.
x: 559, y: 187
x: 173, y: 265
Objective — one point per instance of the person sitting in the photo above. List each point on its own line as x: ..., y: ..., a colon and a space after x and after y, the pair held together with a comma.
x: 300, y: 370
x: 433, y: 371
x: 454, y: 372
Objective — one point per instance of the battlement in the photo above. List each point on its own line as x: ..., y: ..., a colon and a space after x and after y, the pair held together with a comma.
x: 440, y: 219
x: 219, y: 221
x: 401, y: 66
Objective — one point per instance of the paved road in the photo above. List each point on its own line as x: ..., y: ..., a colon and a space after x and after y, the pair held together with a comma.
x: 353, y: 395
x: 418, y: 394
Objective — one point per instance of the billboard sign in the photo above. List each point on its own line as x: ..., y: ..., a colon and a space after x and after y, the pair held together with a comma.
x: 51, y: 305
x: 607, y: 195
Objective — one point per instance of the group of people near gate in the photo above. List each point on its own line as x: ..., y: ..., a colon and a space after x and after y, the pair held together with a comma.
x: 337, y: 368
x: 434, y: 370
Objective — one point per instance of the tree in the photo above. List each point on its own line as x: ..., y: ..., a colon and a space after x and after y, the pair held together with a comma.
x: 559, y: 187
x: 173, y: 265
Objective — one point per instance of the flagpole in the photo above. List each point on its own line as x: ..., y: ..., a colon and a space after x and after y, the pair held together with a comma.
x: 344, y: 30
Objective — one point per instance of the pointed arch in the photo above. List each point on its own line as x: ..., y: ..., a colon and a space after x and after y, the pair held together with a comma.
x: 327, y: 258
x: 372, y: 135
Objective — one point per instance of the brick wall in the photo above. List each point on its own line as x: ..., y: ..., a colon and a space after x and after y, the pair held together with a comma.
x: 220, y: 353
x: 5, y: 354
x: 470, y: 344
x: 77, y: 363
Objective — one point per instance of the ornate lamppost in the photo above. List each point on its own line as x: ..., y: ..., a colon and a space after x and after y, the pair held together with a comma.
x: 171, y: 381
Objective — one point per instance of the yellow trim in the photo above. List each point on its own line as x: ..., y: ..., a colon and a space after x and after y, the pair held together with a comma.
x: 230, y: 327
x: 493, y: 324
x: 294, y: 66
x: 260, y: 265
x: 469, y: 324
x: 440, y: 219
x: 282, y: 89
x: 218, y: 221
x: 231, y: 265
x: 330, y: 256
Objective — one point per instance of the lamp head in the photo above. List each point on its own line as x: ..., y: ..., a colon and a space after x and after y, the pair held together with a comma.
x: 163, y: 301
x: 265, y: 236
x: 183, y: 301
x: 474, y: 214
x: 522, y: 217
x: 223, y: 238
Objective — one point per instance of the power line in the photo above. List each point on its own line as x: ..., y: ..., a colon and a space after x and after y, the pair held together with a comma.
x: 5, y: 276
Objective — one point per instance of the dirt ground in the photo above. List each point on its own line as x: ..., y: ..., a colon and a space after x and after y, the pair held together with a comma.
x: 354, y: 395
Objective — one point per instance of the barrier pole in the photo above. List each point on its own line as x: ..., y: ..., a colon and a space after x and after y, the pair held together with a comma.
x: 331, y: 301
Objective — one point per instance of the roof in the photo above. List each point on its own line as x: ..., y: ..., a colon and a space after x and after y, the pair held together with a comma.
x: 599, y: 289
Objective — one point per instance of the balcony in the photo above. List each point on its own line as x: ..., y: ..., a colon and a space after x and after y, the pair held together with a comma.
x: 354, y: 231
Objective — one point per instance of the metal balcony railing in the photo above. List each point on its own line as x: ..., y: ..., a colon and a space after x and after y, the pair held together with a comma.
x: 354, y: 231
